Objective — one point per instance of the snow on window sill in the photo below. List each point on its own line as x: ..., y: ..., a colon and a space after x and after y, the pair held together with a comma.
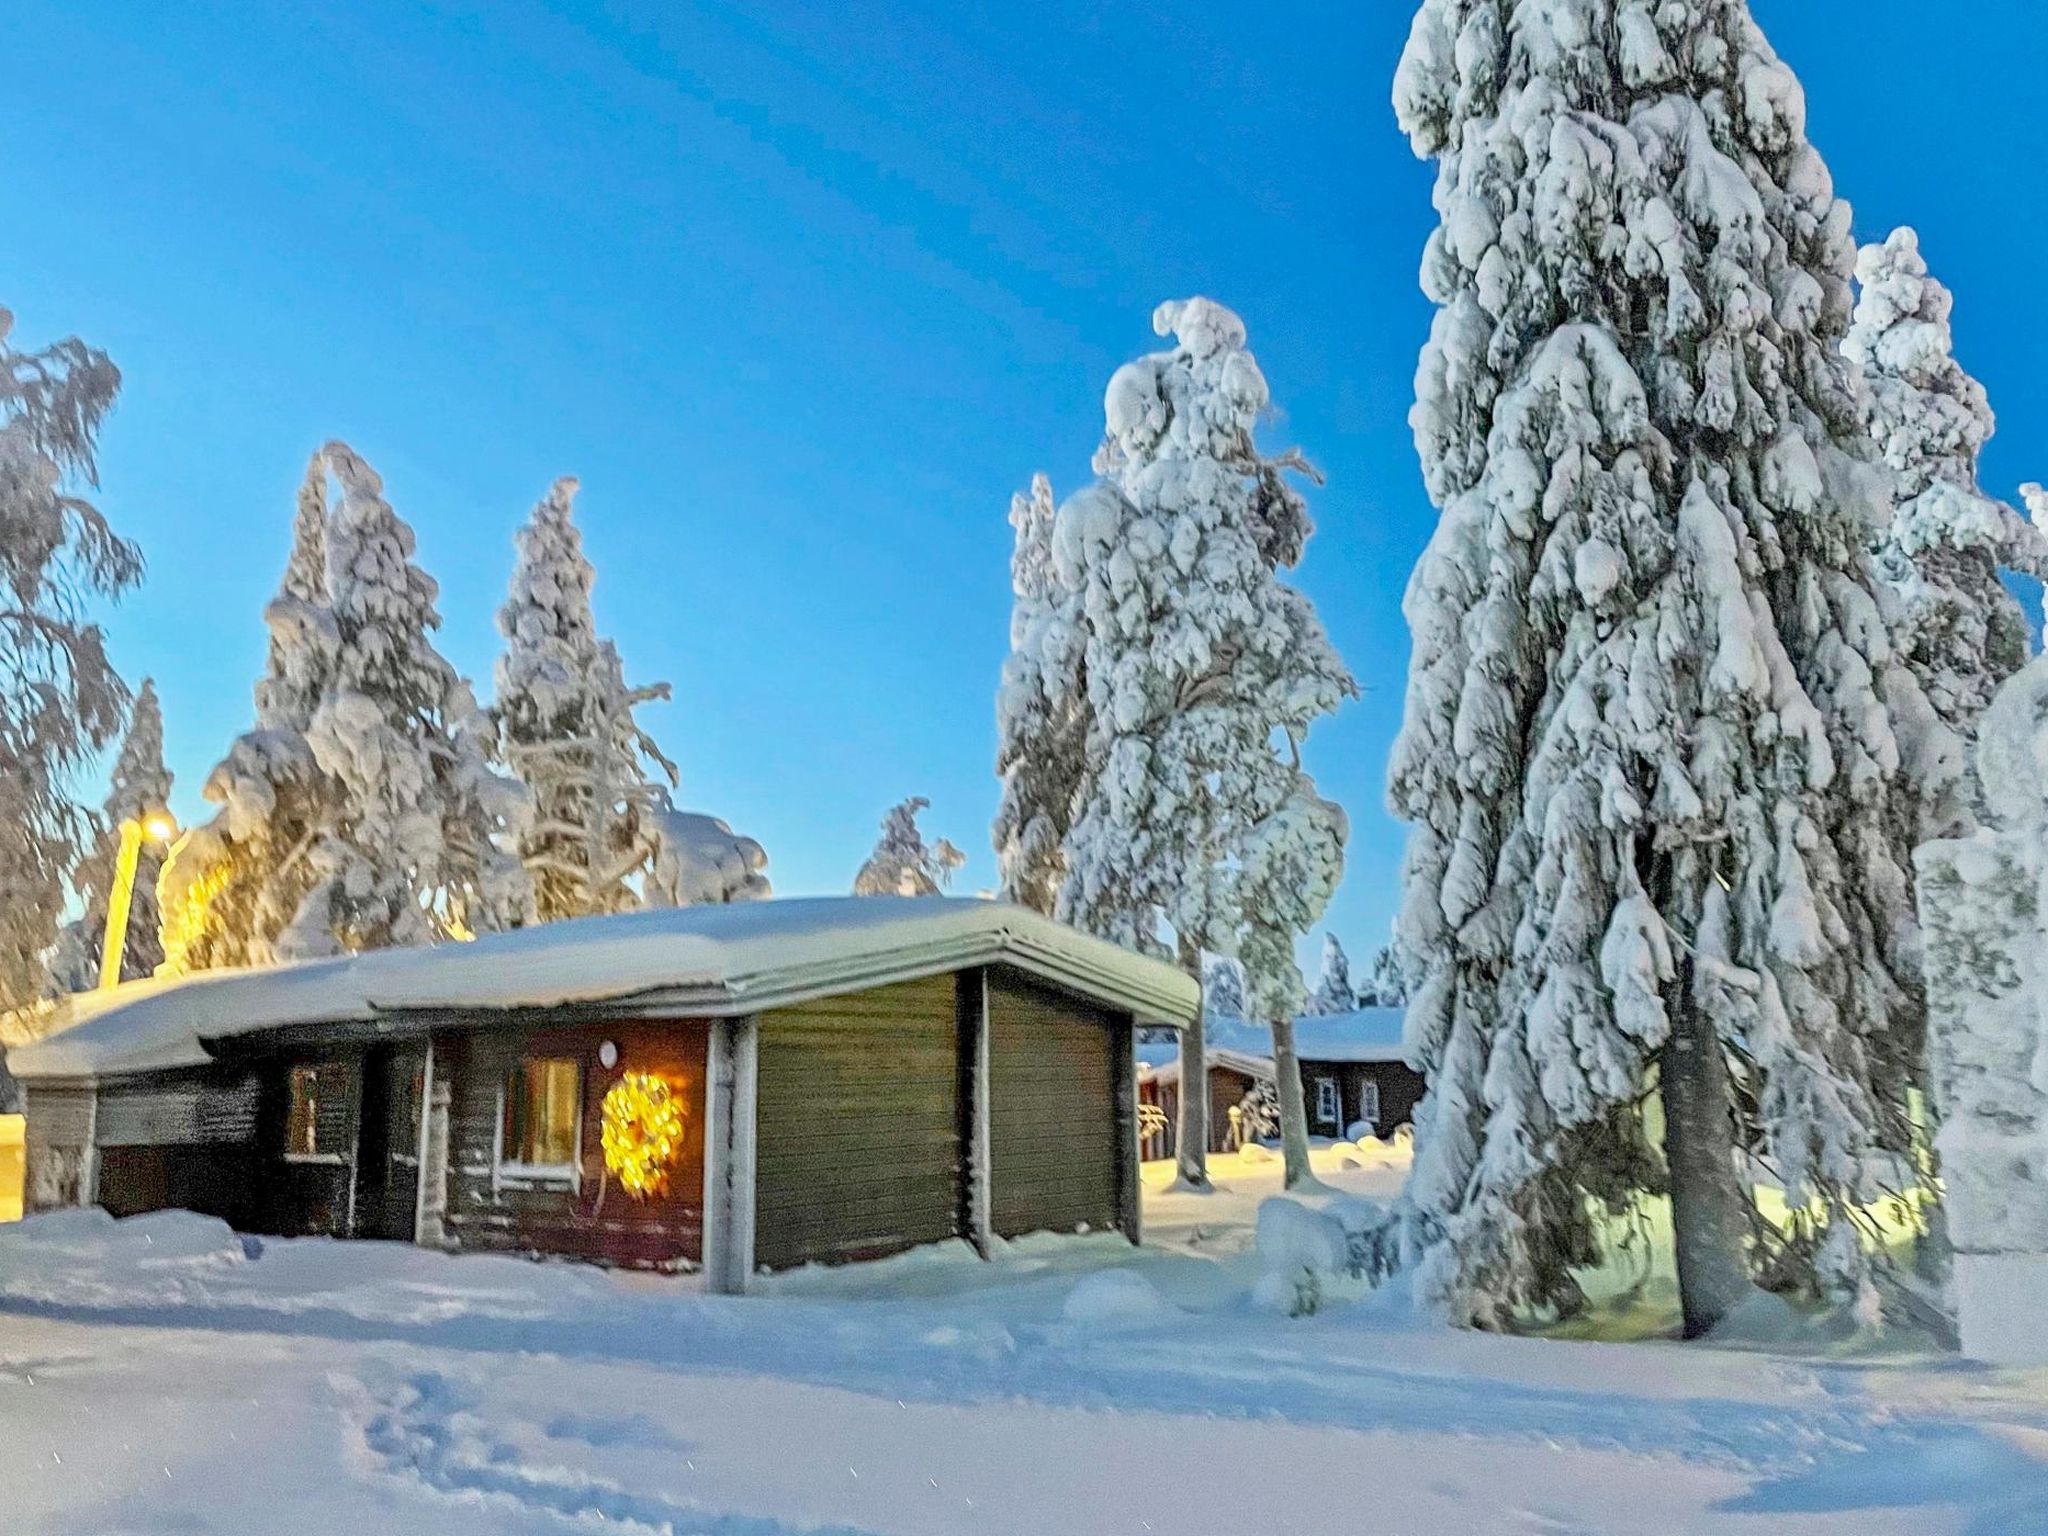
x: 537, y: 1176
x: 317, y: 1159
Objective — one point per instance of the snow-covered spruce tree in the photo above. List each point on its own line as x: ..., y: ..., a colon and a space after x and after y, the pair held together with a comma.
x: 60, y: 698
x: 141, y: 789
x: 902, y: 864
x: 233, y: 883
x: 1334, y: 992
x: 566, y: 729
x: 1223, y: 987
x: 1960, y: 630
x: 1197, y: 659
x: 1384, y: 985
x: 1652, y: 738
x: 1041, y: 712
x: 420, y: 848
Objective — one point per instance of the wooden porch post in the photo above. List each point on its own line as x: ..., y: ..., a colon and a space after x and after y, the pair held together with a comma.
x: 1123, y: 1078
x: 430, y: 1208
x: 974, y: 1027
x: 729, y: 1131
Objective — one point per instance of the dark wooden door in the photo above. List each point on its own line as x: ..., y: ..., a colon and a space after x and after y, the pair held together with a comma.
x: 388, y: 1155
x: 859, y: 1149
x: 1054, y: 1131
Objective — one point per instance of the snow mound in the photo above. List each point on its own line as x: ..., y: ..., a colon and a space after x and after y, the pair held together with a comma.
x: 1293, y: 1237
x: 1253, y: 1152
x: 1115, y: 1296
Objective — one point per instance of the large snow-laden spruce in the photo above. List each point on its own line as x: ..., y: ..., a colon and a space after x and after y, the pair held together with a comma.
x: 1961, y: 631
x: 566, y: 729
x: 60, y: 698
x: 903, y: 864
x: 234, y: 882
x: 1384, y: 986
x: 420, y: 849
x: 141, y: 789
x: 1334, y: 992
x: 1204, y: 671
x: 1041, y: 712
x: 1654, y: 723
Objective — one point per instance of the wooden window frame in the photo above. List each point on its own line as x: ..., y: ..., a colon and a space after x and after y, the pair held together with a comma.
x: 538, y: 1176
x: 315, y: 1158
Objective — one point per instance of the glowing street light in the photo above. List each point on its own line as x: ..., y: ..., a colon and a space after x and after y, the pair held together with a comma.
x: 158, y: 827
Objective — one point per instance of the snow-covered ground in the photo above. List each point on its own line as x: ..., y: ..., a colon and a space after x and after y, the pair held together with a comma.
x: 159, y: 1376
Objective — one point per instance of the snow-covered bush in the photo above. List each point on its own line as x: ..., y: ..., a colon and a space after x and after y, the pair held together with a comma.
x: 1114, y: 1298
x: 700, y: 861
x: 1655, y: 725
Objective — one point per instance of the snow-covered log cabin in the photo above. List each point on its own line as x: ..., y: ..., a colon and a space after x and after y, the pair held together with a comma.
x: 736, y: 1087
x: 1355, y: 1074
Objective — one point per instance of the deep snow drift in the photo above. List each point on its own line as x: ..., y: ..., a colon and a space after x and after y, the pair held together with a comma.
x: 161, y: 1375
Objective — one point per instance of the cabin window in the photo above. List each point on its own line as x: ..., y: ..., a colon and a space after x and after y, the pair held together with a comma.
x: 1326, y: 1100
x: 541, y: 1119
x: 311, y: 1091
x: 1369, y: 1103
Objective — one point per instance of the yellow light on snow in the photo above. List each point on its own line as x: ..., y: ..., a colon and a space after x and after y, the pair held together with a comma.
x: 643, y: 1132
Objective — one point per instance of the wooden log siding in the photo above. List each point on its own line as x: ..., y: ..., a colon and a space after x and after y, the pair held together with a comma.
x: 1054, y: 1130
x: 596, y: 1220
x: 858, y: 1125
x: 178, y: 1110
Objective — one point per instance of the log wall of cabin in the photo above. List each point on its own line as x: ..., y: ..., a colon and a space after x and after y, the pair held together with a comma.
x: 596, y: 1219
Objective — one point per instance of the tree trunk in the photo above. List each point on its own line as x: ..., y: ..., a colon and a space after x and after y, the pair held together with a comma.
x: 1192, y: 1144
x: 1708, y: 1215
x: 1293, y: 1112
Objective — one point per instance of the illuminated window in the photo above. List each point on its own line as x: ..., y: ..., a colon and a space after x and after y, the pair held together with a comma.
x: 1326, y: 1100
x: 1369, y: 1102
x: 307, y: 1087
x: 542, y: 1116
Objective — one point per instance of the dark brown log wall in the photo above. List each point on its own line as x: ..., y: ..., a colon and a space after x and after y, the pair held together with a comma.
x: 1054, y: 1158
x: 859, y: 1144
x: 597, y: 1220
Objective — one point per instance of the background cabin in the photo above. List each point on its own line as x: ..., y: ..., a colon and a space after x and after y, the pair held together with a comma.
x: 726, y: 1087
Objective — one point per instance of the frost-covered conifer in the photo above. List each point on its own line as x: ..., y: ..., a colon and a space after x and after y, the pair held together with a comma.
x: 141, y: 789
x: 1334, y: 992
x: 1960, y: 630
x: 1384, y: 986
x: 1653, y: 728
x: 566, y: 729
x: 902, y: 864
x: 60, y: 698
x: 1041, y: 712
x: 234, y: 882
x: 1223, y: 988
x: 1197, y: 660
x: 414, y: 853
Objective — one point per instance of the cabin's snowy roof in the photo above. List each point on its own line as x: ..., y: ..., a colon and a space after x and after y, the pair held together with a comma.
x: 709, y: 961
x: 1367, y: 1035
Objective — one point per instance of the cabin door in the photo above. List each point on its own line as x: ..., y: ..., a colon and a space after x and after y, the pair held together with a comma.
x: 388, y: 1155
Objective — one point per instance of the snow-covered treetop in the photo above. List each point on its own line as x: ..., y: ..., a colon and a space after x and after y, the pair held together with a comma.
x: 699, y: 860
x: 902, y: 865
x: 303, y: 639
x: 1334, y: 992
x: 1197, y: 658
x: 141, y: 782
x: 1223, y: 988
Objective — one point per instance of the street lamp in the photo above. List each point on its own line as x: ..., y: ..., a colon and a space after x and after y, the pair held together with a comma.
x: 158, y: 827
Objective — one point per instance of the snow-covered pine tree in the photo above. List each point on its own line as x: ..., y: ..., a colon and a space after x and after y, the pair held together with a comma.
x: 902, y: 864
x: 141, y: 789
x: 1334, y: 992
x: 233, y: 883
x: 566, y: 730
x: 1197, y: 658
x: 1223, y: 987
x: 60, y: 698
x: 1041, y: 712
x: 1961, y: 631
x: 1652, y: 745
x: 1384, y: 986
x: 420, y: 849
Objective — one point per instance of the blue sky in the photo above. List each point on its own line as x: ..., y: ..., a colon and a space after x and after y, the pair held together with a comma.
x: 802, y: 291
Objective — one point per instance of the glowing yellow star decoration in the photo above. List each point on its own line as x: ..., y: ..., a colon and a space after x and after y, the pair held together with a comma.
x: 643, y: 1132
